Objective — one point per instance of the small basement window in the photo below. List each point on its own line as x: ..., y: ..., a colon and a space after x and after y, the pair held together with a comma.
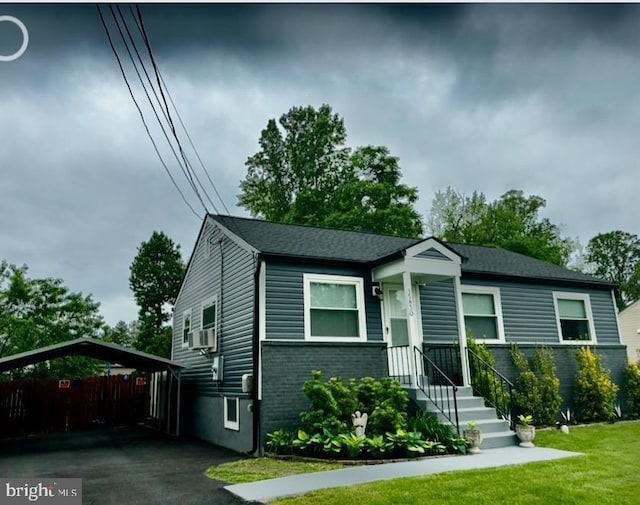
x: 232, y: 413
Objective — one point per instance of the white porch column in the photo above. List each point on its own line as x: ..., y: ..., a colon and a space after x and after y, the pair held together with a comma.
x: 412, y: 325
x: 464, y: 362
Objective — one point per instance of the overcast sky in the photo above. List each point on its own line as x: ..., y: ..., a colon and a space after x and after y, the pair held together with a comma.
x: 543, y: 98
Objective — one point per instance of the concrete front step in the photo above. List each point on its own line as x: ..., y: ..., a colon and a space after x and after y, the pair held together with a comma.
x: 499, y: 439
x: 496, y: 432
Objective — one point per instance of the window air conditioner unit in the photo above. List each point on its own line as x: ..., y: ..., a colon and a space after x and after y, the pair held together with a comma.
x: 207, y: 339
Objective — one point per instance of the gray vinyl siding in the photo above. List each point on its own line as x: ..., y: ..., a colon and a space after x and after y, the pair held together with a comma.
x: 235, y: 320
x: 439, y: 313
x: 529, y: 314
x: 284, y: 299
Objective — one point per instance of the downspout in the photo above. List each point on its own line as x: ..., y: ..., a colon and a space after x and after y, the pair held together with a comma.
x: 256, y: 357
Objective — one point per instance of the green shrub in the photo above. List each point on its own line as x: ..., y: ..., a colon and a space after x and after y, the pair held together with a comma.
x: 327, y: 430
x: 433, y: 430
x: 596, y: 393
x: 537, y: 388
x: 280, y: 442
x: 333, y: 402
x: 483, y: 381
x: 633, y: 378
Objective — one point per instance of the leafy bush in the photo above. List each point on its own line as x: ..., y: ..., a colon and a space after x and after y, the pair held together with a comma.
x: 280, y: 442
x: 432, y: 429
x: 333, y: 402
x: 596, y: 393
x: 633, y: 378
x: 326, y: 411
x: 483, y: 381
x: 537, y: 391
x: 327, y: 425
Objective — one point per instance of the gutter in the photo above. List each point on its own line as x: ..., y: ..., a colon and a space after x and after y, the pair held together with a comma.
x: 256, y: 358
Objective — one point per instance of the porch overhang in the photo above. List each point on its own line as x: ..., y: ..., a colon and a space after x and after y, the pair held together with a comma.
x: 427, y: 262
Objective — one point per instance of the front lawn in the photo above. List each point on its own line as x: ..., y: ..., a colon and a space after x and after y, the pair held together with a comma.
x: 608, y: 474
x: 251, y: 470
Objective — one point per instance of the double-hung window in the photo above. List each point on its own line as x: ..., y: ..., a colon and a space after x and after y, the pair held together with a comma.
x: 209, y: 313
x: 482, y: 313
x: 574, y: 318
x: 186, y: 327
x: 334, y: 308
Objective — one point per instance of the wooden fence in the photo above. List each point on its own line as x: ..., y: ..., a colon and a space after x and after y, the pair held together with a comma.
x: 45, y: 406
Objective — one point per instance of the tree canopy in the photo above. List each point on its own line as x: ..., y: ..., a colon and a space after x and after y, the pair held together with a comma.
x: 156, y: 275
x: 512, y: 222
x: 615, y: 256
x: 305, y: 174
x: 38, y: 312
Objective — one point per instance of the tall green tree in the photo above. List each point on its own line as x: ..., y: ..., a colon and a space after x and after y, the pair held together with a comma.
x: 615, y: 256
x: 121, y: 333
x: 305, y: 174
x: 36, y: 313
x: 512, y: 222
x: 155, y: 277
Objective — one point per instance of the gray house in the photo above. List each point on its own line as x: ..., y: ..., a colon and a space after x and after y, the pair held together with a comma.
x: 263, y: 304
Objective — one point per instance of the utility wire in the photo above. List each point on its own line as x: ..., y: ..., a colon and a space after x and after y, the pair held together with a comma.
x: 157, y: 73
x: 206, y: 172
x: 184, y: 170
x: 166, y: 88
x: 124, y: 76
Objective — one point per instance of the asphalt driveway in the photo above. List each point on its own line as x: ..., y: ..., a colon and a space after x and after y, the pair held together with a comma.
x: 132, y: 466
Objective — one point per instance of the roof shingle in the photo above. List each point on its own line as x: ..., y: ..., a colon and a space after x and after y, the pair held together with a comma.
x: 297, y: 241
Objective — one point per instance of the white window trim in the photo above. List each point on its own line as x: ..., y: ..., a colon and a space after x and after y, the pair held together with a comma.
x: 184, y: 315
x: 497, y: 305
x: 587, y: 307
x: 213, y: 300
x: 231, y: 425
x: 358, y: 282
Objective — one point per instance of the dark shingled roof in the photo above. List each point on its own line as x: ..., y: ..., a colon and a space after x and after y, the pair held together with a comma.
x: 327, y: 244
x: 313, y: 243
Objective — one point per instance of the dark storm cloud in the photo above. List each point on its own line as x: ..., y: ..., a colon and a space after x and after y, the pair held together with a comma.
x: 489, y: 97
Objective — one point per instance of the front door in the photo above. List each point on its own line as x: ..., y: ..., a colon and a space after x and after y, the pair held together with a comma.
x: 397, y: 333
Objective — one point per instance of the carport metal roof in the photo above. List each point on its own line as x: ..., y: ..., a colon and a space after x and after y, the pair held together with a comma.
x: 85, y: 346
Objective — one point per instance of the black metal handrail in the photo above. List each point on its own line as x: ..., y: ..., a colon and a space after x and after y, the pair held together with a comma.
x: 494, y: 387
x: 439, y: 388
x: 399, y: 361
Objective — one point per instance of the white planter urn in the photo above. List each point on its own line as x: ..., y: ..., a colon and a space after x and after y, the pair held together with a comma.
x: 474, y: 436
x: 526, y: 434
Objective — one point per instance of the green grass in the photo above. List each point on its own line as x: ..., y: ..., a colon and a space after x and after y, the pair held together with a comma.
x: 251, y: 470
x: 607, y: 474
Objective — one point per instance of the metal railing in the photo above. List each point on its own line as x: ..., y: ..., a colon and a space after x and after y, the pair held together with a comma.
x: 494, y: 387
x: 437, y: 387
x: 400, y: 363
x: 447, y: 358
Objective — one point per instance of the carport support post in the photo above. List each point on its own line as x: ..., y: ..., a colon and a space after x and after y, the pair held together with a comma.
x: 178, y: 374
x: 169, y: 403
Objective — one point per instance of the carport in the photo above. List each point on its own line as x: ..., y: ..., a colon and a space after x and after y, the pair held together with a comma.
x: 166, y: 380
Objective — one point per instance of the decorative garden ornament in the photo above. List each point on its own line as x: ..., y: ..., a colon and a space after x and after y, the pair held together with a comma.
x: 359, y: 422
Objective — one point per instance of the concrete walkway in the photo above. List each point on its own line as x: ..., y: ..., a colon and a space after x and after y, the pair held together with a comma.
x: 266, y: 490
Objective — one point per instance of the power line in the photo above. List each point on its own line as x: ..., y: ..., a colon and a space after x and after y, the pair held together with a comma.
x: 184, y: 170
x: 124, y: 76
x: 140, y: 27
x: 160, y: 87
